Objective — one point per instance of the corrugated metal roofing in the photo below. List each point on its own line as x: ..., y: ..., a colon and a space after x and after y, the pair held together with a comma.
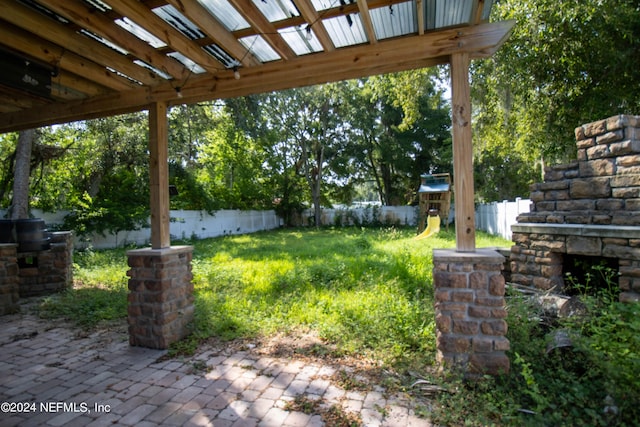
x: 300, y: 41
x: 112, y: 46
x: 226, y: 14
x: 259, y: 48
x: 276, y: 10
x: 346, y: 30
x: 140, y: 32
x: 177, y: 20
x: 395, y: 20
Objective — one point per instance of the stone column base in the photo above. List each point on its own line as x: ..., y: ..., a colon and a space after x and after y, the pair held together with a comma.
x: 160, y: 296
x: 470, y: 311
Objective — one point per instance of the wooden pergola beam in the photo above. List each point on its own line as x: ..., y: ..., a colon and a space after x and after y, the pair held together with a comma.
x: 139, y: 14
x: 265, y: 28
x: 384, y: 57
x: 365, y: 17
x: 314, y: 22
x: 58, y: 57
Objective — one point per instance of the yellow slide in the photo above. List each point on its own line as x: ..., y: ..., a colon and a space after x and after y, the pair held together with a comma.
x: 433, y: 226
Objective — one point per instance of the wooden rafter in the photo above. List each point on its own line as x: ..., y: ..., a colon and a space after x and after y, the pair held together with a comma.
x: 214, y: 30
x: 476, y: 11
x: 263, y: 27
x: 81, y: 13
x: 420, y: 15
x: 142, y: 16
x: 78, y: 84
x: 390, y: 56
x: 20, y: 40
x: 314, y: 23
x: 57, y: 33
x: 365, y: 17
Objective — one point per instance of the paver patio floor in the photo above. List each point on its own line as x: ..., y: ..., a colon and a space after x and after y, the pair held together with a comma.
x: 52, y: 374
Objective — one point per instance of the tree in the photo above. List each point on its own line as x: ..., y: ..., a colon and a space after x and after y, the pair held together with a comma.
x: 111, y: 179
x: 399, y: 129
x: 304, y: 128
x: 20, y: 204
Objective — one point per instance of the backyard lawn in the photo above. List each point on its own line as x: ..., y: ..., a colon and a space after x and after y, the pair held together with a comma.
x: 368, y: 293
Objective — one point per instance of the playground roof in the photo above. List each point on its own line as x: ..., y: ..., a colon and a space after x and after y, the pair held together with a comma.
x: 66, y: 60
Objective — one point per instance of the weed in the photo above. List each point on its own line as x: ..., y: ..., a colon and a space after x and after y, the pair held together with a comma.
x: 302, y: 403
x: 349, y: 381
x: 335, y: 416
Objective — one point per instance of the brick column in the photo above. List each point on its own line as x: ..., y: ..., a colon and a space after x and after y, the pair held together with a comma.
x: 160, y: 296
x: 9, y: 288
x: 470, y: 311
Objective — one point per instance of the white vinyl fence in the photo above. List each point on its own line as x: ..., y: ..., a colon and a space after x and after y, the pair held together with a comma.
x: 498, y: 217
x: 200, y: 224
x: 494, y: 218
x: 183, y: 225
x: 365, y: 215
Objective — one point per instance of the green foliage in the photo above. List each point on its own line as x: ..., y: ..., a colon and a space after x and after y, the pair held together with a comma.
x: 399, y: 130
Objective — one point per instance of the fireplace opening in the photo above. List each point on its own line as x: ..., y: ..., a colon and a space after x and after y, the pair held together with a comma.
x: 590, y: 275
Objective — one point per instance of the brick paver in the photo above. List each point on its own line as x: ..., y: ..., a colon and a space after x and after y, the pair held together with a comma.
x: 53, y: 375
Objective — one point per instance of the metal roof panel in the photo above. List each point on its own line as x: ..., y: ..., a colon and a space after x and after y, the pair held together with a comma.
x: 395, y: 20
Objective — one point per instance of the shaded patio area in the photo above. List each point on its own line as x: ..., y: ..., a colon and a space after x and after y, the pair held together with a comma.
x: 54, y: 374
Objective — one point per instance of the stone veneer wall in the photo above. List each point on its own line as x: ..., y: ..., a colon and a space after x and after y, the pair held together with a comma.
x: 49, y: 271
x: 160, y: 296
x: 9, y: 293
x: 470, y: 311
x: 588, y: 207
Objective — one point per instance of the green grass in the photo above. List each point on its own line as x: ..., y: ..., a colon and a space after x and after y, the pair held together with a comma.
x: 365, y: 291
x: 99, y: 293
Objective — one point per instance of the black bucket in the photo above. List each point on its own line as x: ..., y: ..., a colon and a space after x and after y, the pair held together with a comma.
x: 31, y: 235
x: 7, y: 231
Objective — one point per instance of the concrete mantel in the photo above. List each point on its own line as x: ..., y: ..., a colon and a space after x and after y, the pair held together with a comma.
x: 173, y: 250
x: 483, y: 255
x: 585, y: 230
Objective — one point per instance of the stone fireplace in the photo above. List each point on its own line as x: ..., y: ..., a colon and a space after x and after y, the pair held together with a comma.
x: 588, y: 208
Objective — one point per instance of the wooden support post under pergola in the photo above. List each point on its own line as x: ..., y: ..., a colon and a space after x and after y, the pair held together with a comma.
x: 462, y: 154
x: 159, y: 175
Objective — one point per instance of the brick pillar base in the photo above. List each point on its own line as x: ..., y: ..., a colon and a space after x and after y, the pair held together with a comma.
x: 470, y: 311
x: 9, y: 286
x: 160, y: 296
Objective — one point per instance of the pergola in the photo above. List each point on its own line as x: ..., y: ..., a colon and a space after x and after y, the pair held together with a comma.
x: 68, y: 60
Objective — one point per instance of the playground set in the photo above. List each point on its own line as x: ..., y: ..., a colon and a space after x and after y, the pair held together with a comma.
x: 435, y: 200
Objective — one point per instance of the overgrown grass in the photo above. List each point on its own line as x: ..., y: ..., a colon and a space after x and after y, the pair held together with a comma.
x: 99, y: 293
x: 369, y: 292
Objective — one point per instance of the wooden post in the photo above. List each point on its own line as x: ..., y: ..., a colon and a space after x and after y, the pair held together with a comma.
x: 159, y: 175
x: 462, y: 154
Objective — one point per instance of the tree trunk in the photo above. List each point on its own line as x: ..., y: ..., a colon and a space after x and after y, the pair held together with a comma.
x: 317, y: 184
x: 20, y: 203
